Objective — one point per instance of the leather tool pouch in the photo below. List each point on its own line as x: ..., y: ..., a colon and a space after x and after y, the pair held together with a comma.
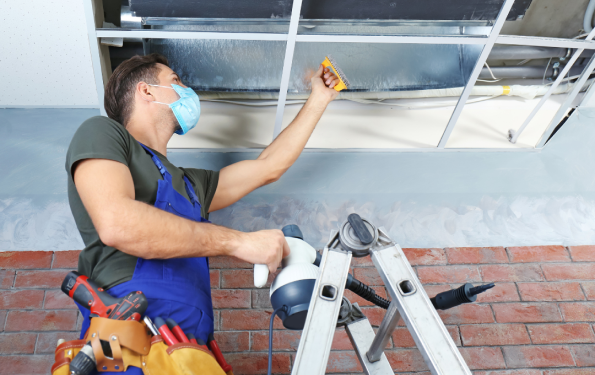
x: 131, y: 345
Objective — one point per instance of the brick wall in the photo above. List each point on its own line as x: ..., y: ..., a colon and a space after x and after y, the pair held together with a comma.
x: 539, y: 320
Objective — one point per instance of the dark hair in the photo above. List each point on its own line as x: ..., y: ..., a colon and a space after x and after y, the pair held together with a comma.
x: 119, y: 92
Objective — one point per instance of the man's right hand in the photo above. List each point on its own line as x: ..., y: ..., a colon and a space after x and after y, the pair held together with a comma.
x: 263, y: 247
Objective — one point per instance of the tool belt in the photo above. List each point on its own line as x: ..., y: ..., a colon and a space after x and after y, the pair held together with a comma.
x: 132, y: 345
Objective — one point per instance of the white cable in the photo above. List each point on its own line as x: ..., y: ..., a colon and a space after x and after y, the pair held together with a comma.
x: 429, y: 106
x: 491, y: 73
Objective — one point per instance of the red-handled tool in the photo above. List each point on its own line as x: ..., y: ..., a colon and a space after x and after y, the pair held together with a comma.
x: 167, y: 335
x: 176, y: 330
x: 86, y: 293
x: 217, y: 353
x: 192, y: 338
x: 197, y: 341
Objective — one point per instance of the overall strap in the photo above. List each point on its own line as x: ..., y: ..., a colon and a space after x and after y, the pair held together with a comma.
x: 191, y: 193
x: 157, y: 162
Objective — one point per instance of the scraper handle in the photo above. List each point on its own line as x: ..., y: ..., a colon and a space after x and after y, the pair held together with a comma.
x: 261, y: 275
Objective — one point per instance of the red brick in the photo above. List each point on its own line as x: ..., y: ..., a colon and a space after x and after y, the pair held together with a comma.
x: 341, y: 341
x: 353, y: 298
x: 494, y: 334
x: 582, y: 253
x: 233, y: 341
x: 257, y: 363
x: 40, y: 279
x: 483, y: 358
x: 476, y: 255
x: 584, y: 355
x: 578, y: 312
x: 261, y: 299
x: 362, y: 262
x: 230, y: 299
x: 513, y: 273
x: 25, y: 364
x: 571, y: 371
x: 432, y: 290
x: 572, y: 271
x: 341, y: 362
x: 239, y: 320
x: 228, y: 262
x: 241, y: 279
x: 508, y: 372
x: 561, y: 333
x: 368, y: 276
x: 46, y: 341
x: 2, y: 319
x: 216, y: 319
x: 402, y: 360
x: 402, y: 338
x: 41, y: 320
x: 282, y: 340
x: 374, y: 315
x: 470, y: 313
x: 526, y: 312
x: 66, y: 259
x: 25, y: 259
x: 426, y: 257
x: 6, y: 279
x: 21, y: 299
x: 538, y: 254
x: 448, y: 274
x: 214, y: 275
x: 538, y: 356
x: 502, y: 292
x: 17, y: 343
x: 551, y: 292
x: 56, y: 299
x: 589, y: 289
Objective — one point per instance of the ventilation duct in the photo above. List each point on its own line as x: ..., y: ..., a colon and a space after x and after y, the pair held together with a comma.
x: 256, y: 66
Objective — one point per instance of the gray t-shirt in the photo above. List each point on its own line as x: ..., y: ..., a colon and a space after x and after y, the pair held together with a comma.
x: 103, y: 138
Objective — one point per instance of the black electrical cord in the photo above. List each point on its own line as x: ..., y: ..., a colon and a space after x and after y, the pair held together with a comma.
x: 365, y: 292
x: 282, y: 308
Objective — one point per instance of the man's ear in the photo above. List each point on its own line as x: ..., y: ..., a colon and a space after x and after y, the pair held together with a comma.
x: 143, y: 90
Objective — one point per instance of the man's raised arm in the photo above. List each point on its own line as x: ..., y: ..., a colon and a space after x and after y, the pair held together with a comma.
x: 239, y: 179
x: 136, y: 228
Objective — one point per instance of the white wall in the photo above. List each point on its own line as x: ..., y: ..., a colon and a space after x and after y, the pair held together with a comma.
x: 44, y: 54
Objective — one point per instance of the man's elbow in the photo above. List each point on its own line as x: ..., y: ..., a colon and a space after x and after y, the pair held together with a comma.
x: 108, y: 228
x: 273, y: 176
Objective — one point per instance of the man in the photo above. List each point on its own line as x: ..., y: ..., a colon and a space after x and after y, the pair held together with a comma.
x: 143, y: 220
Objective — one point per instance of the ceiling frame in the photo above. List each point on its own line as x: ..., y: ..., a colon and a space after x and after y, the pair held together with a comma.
x: 95, y: 34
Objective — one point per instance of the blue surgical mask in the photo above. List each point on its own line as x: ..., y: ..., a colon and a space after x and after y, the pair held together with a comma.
x: 186, y: 109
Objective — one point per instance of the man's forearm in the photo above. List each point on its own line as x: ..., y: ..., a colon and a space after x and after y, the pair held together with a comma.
x: 286, y: 148
x: 148, y: 232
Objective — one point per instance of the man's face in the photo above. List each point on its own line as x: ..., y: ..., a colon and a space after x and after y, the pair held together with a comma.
x: 166, y: 94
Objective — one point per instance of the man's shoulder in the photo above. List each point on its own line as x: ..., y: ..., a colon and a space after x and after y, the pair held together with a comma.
x: 101, y: 124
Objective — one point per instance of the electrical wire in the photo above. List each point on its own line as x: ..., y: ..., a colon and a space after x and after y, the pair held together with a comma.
x: 429, y: 106
x: 282, y: 308
x: 491, y: 73
x: 545, y: 72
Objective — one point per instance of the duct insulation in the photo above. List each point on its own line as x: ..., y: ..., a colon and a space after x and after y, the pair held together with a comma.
x: 239, y: 65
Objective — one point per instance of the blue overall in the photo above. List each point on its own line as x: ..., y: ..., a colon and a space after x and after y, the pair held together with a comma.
x: 175, y: 288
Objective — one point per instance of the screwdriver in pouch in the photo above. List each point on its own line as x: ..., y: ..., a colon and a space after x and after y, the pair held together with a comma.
x: 176, y: 330
x: 197, y: 341
x: 167, y: 335
x: 217, y: 353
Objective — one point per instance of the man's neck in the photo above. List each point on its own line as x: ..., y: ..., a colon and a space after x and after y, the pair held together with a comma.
x: 154, y: 136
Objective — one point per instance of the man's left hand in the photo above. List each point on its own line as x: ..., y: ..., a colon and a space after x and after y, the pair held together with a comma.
x: 323, y: 83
